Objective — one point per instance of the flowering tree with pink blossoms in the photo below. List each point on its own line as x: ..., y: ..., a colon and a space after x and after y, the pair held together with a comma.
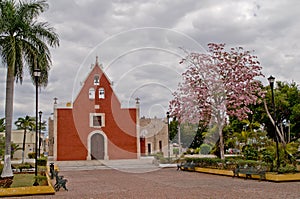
x: 217, y: 85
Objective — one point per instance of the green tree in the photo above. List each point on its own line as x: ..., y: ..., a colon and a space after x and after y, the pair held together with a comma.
x: 188, y: 132
x: 287, y: 102
x: 173, y: 128
x: 2, y: 146
x: 26, y: 123
x: 199, y: 137
x: 2, y: 124
x: 23, y: 42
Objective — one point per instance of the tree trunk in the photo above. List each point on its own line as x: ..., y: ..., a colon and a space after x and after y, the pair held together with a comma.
x: 220, y: 129
x: 24, y: 140
x: 7, y: 171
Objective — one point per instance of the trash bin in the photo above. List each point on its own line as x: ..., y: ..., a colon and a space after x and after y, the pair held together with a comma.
x: 52, y: 170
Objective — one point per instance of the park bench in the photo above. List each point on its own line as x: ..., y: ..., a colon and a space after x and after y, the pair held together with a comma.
x: 249, y: 171
x: 60, y: 181
x: 186, y: 166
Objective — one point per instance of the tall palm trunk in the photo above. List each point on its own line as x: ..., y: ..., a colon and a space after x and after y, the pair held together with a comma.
x: 7, y: 171
x: 24, y: 140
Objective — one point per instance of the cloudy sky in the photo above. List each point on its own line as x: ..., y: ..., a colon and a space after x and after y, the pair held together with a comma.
x: 139, y: 44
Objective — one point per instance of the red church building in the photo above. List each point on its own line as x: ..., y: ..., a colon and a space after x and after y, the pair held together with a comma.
x: 94, y: 126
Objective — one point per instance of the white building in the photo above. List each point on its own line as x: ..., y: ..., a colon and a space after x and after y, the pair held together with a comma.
x: 17, y: 138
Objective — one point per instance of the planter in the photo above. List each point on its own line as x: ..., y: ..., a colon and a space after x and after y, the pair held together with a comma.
x: 283, y: 177
x: 214, y: 171
x: 6, y: 181
x: 23, y: 191
x: 274, y: 177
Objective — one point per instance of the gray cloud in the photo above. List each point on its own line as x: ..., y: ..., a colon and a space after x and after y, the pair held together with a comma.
x: 144, y: 61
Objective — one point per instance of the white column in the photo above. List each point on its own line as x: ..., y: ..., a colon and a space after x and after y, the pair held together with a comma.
x: 137, y: 105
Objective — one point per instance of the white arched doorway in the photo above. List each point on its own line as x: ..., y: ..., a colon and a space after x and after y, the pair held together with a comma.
x: 97, y: 146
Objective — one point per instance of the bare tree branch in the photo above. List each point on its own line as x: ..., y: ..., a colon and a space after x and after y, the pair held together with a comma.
x: 273, y: 122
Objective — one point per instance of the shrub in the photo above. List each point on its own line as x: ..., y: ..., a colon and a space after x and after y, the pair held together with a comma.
x: 42, y: 180
x: 197, y: 150
x: 205, y: 149
x: 42, y: 170
x: 207, y: 162
x: 250, y: 153
x: 190, y: 151
x: 228, y: 164
x: 24, y: 166
x: 287, y: 169
x: 31, y: 155
x: 42, y: 161
x: 176, y: 151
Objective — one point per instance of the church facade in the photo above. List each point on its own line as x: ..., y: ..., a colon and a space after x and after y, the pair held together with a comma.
x: 95, y: 126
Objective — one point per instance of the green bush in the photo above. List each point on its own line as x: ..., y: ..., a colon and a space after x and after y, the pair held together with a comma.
x: 250, y: 153
x: 31, y: 155
x: 197, y: 150
x: 229, y: 164
x: 42, y: 161
x: 287, y: 169
x: 205, y: 149
x: 24, y: 166
x: 176, y: 151
x: 42, y: 180
x: 190, y: 151
x: 42, y: 170
x: 207, y: 162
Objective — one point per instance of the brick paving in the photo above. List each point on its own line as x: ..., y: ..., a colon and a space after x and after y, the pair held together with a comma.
x: 167, y: 183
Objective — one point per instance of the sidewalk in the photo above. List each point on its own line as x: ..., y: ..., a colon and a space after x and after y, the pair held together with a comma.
x: 128, y: 165
x: 167, y: 183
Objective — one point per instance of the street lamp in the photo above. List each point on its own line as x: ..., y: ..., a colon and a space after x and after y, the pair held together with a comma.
x: 40, y: 129
x: 168, y: 117
x: 36, y: 74
x: 271, y: 80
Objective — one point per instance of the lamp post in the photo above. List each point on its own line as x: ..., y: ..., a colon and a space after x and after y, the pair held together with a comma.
x: 36, y: 74
x: 271, y: 80
x: 168, y: 117
x: 40, y: 129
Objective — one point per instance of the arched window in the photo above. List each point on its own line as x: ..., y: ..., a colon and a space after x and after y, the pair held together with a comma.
x: 96, y: 80
x: 101, y: 93
x: 91, y: 93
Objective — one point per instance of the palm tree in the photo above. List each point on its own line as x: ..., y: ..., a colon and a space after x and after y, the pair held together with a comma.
x: 26, y: 123
x: 23, y: 42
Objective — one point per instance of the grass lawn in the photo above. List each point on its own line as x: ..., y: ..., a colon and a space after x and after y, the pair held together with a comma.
x: 23, y: 180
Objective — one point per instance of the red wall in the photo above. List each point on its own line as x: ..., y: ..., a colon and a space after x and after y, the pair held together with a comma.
x: 73, y: 124
x: 69, y: 145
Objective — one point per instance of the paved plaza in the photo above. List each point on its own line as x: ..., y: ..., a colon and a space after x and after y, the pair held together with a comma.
x: 149, y: 181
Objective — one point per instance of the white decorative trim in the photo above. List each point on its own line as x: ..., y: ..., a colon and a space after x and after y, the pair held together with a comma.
x: 89, y: 157
x: 102, y: 119
x: 138, y: 131
x: 55, y: 134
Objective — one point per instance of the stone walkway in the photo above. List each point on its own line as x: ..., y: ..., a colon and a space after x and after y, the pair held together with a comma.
x: 142, y: 179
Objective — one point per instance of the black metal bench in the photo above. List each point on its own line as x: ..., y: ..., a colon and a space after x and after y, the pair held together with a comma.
x: 186, y: 166
x: 60, y: 182
x: 249, y: 171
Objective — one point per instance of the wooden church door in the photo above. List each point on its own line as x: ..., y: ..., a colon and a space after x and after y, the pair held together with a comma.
x: 97, y: 147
